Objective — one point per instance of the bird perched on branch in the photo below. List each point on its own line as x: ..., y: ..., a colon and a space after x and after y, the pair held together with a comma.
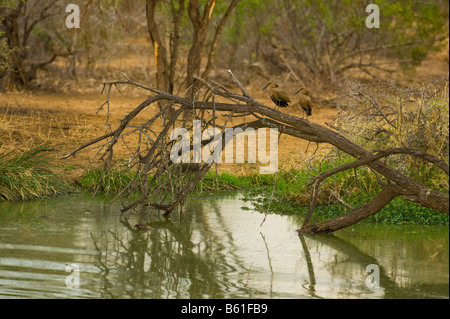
x: 278, y: 96
x: 305, y: 101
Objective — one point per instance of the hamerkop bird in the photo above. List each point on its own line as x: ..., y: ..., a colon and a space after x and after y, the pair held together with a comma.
x: 278, y: 96
x: 305, y: 101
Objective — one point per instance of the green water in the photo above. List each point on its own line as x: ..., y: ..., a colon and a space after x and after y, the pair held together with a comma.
x: 79, y: 248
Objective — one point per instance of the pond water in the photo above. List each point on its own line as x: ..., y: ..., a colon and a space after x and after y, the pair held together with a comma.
x: 75, y: 247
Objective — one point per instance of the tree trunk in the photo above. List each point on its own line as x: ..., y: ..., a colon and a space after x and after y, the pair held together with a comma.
x: 383, y: 198
x: 200, y: 23
x: 159, y: 48
x: 16, y: 75
x: 215, y: 41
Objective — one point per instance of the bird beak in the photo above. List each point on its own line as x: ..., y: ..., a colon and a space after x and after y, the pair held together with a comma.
x: 297, y: 92
x: 265, y: 86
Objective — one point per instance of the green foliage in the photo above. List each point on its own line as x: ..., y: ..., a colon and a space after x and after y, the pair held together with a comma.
x: 400, y: 211
x: 293, y: 198
x: 292, y: 194
x: 112, y: 182
x: 415, y: 26
x: 8, y: 3
x: 28, y: 175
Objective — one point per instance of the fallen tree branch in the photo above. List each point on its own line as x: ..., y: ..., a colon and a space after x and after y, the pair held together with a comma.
x: 171, y: 183
x: 380, y: 154
x: 384, y: 197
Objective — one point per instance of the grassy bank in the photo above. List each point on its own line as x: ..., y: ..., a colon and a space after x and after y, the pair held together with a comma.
x: 29, y: 174
x: 291, y: 195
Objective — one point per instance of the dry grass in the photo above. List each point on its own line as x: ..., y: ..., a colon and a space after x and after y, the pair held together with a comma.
x: 26, y: 126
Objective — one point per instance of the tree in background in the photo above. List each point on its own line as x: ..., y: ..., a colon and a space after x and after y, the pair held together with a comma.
x: 167, y: 46
x: 5, y: 54
x: 18, y: 21
x: 33, y: 34
x: 330, y: 37
x: 326, y: 39
x: 314, y: 40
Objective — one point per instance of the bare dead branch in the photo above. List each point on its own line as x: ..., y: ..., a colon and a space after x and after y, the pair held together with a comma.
x: 407, y: 151
x: 375, y: 104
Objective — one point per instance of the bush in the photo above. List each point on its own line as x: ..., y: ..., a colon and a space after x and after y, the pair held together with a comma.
x: 385, y: 115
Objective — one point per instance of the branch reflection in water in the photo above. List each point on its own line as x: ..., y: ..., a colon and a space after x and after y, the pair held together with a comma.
x: 213, y: 249
x: 181, y: 257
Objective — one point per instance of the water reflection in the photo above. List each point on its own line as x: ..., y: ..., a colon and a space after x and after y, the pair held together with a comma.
x: 388, y: 288
x: 213, y: 249
x: 176, y: 259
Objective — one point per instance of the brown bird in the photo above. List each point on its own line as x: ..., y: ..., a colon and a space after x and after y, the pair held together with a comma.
x: 305, y: 101
x: 278, y: 96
